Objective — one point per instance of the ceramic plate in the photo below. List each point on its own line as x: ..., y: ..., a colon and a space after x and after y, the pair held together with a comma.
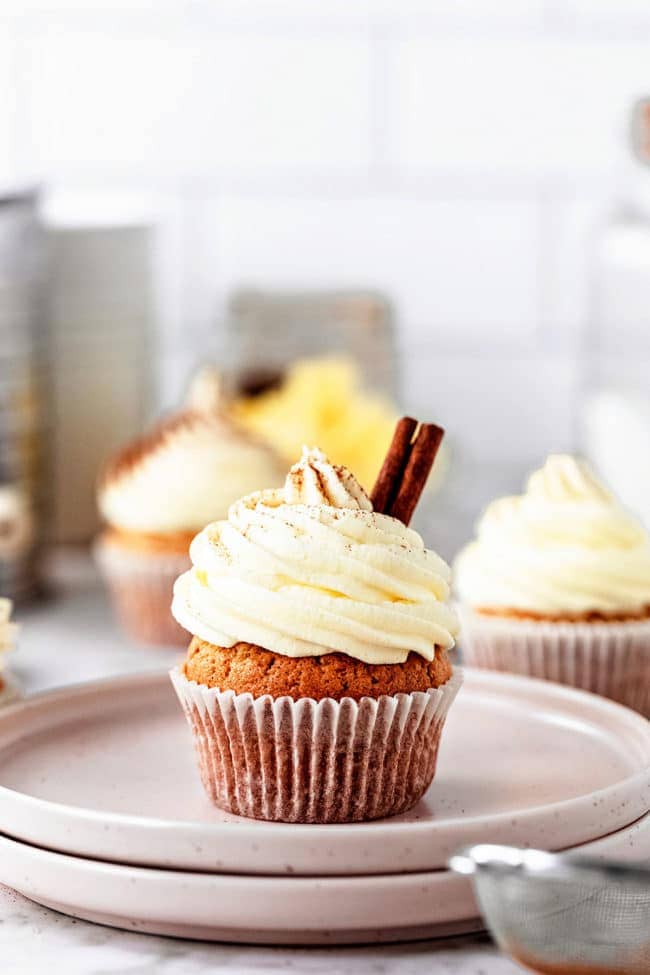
x: 107, y: 770
x: 251, y: 909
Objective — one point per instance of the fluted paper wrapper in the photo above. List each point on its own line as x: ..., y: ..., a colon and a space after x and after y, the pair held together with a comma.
x: 610, y: 659
x: 310, y: 761
x: 140, y: 585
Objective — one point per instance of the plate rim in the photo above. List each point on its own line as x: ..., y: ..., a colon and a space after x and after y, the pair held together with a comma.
x: 255, y: 830
x: 461, y: 905
x: 464, y: 907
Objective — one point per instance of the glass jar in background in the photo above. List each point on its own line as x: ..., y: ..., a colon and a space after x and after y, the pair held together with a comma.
x: 316, y: 368
x: 102, y: 314
x: 24, y: 396
x: 616, y: 351
x: 266, y: 331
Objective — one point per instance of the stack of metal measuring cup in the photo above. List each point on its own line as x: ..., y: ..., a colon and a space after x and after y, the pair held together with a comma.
x: 23, y: 394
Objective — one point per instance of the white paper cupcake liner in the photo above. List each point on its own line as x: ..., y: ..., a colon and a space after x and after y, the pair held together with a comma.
x: 610, y: 659
x: 310, y: 761
x: 141, y: 584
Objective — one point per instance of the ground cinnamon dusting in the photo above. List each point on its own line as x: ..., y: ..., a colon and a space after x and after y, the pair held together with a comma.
x: 130, y: 456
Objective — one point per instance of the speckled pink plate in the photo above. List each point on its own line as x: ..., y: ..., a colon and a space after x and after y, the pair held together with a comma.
x: 106, y: 770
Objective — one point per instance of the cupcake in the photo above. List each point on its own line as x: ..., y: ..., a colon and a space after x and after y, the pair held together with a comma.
x: 7, y: 637
x: 557, y: 585
x: 157, y: 492
x: 317, y: 680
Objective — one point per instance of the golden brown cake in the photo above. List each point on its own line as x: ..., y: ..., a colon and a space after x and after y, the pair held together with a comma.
x: 246, y: 668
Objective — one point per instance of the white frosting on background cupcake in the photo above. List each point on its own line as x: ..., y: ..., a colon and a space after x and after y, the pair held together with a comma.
x: 311, y: 569
x: 183, y: 475
x: 565, y: 547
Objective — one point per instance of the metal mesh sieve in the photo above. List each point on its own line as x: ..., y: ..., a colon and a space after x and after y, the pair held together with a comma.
x: 562, y: 914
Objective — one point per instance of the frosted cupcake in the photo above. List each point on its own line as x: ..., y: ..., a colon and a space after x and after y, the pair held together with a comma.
x: 557, y: 585
x: 156, y: 494
x: 317, y: 681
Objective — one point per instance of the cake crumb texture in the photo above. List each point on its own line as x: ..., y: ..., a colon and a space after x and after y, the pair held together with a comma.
x: 593, y: 616
x: 246, y: 667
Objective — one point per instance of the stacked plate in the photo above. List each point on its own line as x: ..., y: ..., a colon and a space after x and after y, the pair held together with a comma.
x: 103, y: 816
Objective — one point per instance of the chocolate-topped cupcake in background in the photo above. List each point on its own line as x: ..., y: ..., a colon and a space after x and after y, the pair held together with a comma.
x: 158, y: 491
x: 557, y: 585
x: 317, y: 680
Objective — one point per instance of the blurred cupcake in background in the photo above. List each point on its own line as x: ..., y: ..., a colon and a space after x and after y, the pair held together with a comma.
x: 159, y: 490
x: 8, y: 632
x: 557, y: 585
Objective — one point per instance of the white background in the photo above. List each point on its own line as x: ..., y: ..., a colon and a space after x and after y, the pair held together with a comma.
x: 456, y: 155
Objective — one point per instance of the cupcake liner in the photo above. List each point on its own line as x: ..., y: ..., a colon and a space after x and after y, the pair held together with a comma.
x: 310, y: 761
x: 610, y: 659
x: 140, y: 585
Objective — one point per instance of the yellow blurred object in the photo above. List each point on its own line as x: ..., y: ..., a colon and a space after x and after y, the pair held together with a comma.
x: 322, y: 402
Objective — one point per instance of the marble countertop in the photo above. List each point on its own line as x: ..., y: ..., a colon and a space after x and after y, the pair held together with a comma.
x: 71, y: 637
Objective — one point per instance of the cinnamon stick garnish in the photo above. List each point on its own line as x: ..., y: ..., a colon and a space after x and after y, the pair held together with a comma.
x: 390, y: 475
x: 406, y: 468
x: 416, y: 473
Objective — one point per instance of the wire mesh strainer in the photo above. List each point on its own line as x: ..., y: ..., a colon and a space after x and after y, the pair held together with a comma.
x: 561, y: 914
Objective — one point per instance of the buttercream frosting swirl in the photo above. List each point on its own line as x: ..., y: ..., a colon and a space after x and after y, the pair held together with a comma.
x: 564, y: 547
x: 185, y: 473
x: 311, y: 569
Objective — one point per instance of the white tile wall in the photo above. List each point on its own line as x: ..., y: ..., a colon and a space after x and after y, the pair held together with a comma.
x: 588, y: 88
x: 292, y: 101
x: 457, y: 270
x: 8, y: 106
x: 569, y: 231
x: 454, y: 155
x: 600, y: 16
x: 467, y: 103
x: 509, y: 406
x: 104, y: 101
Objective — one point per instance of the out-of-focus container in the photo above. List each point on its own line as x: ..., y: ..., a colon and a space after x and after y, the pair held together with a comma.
x: 315, y: 368
x: 328, y: 361
x: 268, y: 330
x: 24, y: 394
x: 616, y: 352
x: 619, y: 327
x: 102, y: 312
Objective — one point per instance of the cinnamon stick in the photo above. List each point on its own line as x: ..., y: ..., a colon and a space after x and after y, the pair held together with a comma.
x: 420, y: 461
x: 392, y: 470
